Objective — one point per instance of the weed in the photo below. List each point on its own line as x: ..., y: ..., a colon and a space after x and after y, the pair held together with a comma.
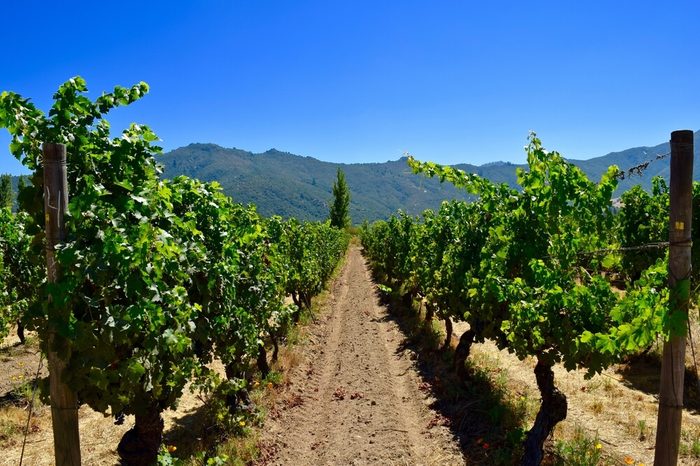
x: 23, y: 394
x: 581, y: 450
x: 593, y: 384
x: 274, y: 378
x: 165, y: 458
x: 695, y: 448
x: 690, y: 444
x: 642, y: 427
x: 608, y: 384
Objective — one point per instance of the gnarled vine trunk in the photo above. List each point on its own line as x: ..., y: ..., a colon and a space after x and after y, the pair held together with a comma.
x: 20, y: 332
x: 297, y: 302
x: 307, y: 300
x: 263, y: 366
x: 462, y: 351
x: 239, y: 399
x: 139, y: 445
x: 448, y: 334
x: 275, y: 347
x: 552, y: 410
x: 429, y: 313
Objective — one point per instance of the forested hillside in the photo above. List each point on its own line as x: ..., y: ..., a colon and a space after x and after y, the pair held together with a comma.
x: 294, y: 186
x: 281, y: 183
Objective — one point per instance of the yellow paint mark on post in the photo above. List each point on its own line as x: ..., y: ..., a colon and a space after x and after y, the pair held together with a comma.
x: 680, y: 226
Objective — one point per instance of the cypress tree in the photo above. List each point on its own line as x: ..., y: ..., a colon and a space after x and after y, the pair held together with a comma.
x: 5, y: 191
x: 340, y: 208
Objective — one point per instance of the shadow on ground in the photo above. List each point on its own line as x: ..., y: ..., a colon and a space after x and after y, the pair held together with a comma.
x: 643, y: 373
x: 192, y: 433
x: 477, y: 410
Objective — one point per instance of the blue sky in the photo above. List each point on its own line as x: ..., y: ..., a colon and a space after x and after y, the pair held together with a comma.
x: 359, y: 81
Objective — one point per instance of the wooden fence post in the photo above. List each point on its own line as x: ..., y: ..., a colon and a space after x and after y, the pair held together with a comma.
x: 668, y: 428
x: 64, y: 402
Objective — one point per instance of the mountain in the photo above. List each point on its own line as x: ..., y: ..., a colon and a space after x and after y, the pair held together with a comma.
x: 280, y: 183
x: 294, y: 186
x: 626, y: 159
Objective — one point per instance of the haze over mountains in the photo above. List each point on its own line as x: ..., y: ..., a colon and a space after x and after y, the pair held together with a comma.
x: 280, y: 183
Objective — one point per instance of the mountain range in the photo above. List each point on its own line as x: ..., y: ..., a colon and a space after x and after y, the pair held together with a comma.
x: 280, y: 183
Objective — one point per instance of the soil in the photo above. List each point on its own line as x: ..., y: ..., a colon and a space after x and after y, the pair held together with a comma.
x: 19, y: 363
x: 356, y: 396
x: 99, y: 435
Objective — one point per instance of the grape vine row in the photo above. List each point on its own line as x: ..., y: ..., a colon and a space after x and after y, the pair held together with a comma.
x: 515, y: 264
x: 158, y: 277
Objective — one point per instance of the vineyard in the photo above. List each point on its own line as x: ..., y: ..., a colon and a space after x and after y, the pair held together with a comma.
x: 161, y: 287
x: 549, y: 271
x: 157, y: 277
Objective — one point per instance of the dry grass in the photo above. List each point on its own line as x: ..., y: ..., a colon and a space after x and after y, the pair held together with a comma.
x: 618, y: 406
x: 12, y: 422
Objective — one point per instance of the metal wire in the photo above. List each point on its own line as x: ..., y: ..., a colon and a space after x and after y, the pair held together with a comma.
x: 639, y: 169
x: 642, y: 247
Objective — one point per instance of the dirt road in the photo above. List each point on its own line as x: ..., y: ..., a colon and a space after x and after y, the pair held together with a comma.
x: 356, y: 396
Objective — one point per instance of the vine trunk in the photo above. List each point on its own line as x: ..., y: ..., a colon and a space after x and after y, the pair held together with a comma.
x: 552, y: 410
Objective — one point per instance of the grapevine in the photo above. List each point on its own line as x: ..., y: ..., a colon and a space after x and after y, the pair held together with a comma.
x: 158, y: 277
x: 513, y: 265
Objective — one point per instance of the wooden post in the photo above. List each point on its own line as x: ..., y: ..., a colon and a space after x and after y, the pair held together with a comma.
x: 64, y: 402
x: 668, y: 428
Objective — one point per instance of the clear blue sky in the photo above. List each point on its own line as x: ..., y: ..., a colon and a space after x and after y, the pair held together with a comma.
x: 357, y: 81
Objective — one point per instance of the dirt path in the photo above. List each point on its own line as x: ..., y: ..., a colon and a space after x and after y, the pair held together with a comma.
x: 356, y: 397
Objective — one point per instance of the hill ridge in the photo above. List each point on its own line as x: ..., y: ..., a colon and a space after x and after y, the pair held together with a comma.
x: 283, y: 183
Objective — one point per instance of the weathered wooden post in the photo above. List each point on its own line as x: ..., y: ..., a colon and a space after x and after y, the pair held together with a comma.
x: 668, y: 429
x: 64, y: 402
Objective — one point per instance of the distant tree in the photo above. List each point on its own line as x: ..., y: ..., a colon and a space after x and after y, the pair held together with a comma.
x: 340, y: 209
x: 22, y: 183
x: 5, y: 191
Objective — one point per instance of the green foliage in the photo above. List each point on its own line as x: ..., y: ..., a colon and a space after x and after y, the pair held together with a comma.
x: 157, y: 277
x: 582, y: 450
x: 518, y: 265
x: 339, y: 214
x: 312, y: 251
x: 122, y: 304
x: 6, y: 196
x: 18, y: 273
x: 643, y: 219
x: 389, y: 244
